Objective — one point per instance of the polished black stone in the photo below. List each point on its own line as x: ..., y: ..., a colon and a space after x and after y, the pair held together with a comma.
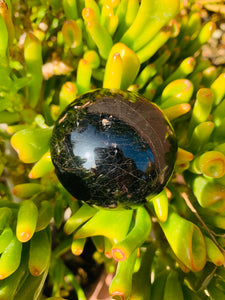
x: 112, y: 148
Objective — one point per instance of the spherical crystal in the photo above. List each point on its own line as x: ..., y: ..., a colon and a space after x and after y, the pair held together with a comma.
x: 112, y: 148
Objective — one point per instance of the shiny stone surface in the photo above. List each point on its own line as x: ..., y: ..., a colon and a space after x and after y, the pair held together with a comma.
x: 113, y: 148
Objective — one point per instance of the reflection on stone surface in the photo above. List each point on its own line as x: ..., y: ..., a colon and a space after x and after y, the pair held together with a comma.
x: 92, y: 134
x: 109, y: 151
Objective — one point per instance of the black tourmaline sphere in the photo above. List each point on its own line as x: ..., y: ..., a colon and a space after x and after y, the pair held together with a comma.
x: 113, y: 148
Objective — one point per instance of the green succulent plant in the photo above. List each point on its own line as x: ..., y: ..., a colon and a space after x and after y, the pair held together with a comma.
x: 51, y: 52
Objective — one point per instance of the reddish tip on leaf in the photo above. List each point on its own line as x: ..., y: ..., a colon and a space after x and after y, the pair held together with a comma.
x: 31, y: 175
x: 69, y: 86
x: 2, y: 276
x: 24, y: 236
x: 118, y: 293
x: 219, y: 262
x: 212, y: 26
x: 77, y: 251
x: 84, y: 61
x: 118, y: 254
x: 108, y: 254
x: 191, y: 61
x: 34, y: 271
x: 88, y: 14
x: 14, y: 191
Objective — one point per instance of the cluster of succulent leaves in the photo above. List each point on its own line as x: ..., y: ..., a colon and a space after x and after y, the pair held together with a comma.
x: 52, y: 51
